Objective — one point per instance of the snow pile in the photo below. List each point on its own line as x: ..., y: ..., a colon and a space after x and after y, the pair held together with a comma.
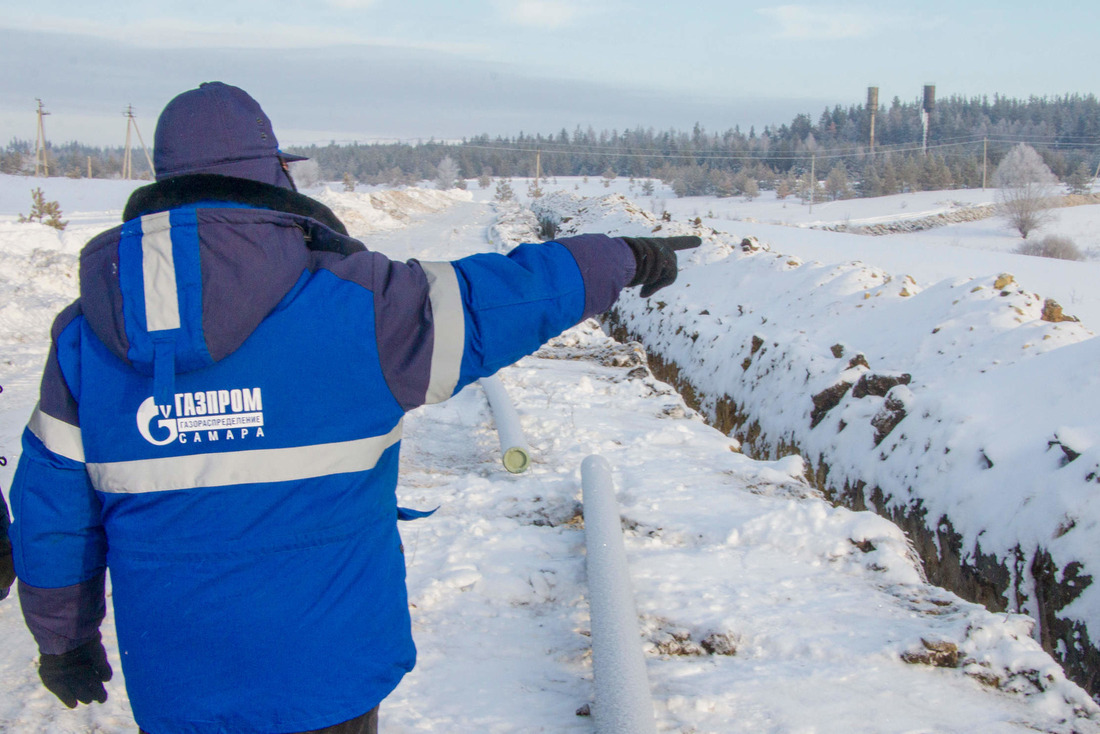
x: 380, y: 210
x: 957, y: 405
x: 514, y: 224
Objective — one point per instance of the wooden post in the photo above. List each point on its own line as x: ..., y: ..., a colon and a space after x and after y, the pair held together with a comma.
x: 813, y: 179
x: 41, y: 160
x: 872, y: 105
x: 127, y: 161
x: 127, y: 158
x: 985, y: 158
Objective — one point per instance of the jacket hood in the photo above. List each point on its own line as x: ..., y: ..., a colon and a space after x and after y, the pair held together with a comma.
x: 198, y: 263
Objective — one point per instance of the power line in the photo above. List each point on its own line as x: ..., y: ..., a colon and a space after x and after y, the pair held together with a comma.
x: 706, y: 156
x: 944, y: 145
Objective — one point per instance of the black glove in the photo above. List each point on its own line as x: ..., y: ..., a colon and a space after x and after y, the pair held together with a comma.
x: 77, y: 675
x: 656, y: 258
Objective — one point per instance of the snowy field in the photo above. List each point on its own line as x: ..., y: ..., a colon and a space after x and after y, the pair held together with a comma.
x: 762, y: 608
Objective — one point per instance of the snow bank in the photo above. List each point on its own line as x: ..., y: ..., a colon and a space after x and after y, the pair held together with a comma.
x: 955, y: 409
x: 364, y: 213
x: 513, y: 224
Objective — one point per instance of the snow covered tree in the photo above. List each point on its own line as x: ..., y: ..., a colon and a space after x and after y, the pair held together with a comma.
x: 1026, y: 189
x: 485, y: 179
x: 305, y: 173
x: 349, y: 182
x: 504, y: 190
x: 745, y: 185
x: 446, y: 173
x: 836, y: 183
x: 785, y: 187
x: 1080, y: 181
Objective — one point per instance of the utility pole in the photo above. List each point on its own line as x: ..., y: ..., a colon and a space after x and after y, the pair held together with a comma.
x: 127, y: 161
x: 538, y: 166
x: 872, y: 105
x: 41, y: 162
x: 985, y: 157
x: 813, y: 179
x: 127, y: 158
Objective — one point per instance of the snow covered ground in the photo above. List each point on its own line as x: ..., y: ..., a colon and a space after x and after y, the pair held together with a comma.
x: 762, y: 607
x: 989, y: 443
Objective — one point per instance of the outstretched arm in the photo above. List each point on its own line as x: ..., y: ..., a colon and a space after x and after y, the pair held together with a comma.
x: 441, y: 326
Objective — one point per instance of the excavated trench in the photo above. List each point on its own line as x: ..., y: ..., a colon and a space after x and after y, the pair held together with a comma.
x: 999, y: 583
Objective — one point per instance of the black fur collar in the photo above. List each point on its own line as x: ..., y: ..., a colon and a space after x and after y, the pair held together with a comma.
x: 192, y: 188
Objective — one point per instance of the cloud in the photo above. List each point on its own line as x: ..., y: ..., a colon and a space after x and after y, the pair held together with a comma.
x: 394, y: 93
x: 165, y: 33
x: 546, y: 14
x: 351, y: 4
x: 803, y: 21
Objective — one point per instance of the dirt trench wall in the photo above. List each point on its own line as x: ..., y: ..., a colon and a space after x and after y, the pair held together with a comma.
x: 1027, y: 578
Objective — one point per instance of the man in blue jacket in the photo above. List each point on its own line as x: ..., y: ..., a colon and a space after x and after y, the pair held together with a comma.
x: 219, y: 424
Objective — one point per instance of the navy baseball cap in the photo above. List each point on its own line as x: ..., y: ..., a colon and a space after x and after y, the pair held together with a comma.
x: 219, y: 128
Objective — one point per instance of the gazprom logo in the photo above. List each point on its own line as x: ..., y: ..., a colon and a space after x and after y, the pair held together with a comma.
x: 195, y: 417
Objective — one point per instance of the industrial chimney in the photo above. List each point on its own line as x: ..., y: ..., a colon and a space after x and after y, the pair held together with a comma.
x: 926, y: 110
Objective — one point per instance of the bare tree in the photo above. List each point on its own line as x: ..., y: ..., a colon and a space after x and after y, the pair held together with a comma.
x: 1026, y: 189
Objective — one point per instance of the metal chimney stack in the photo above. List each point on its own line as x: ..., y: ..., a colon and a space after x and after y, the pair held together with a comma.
x: 926, y: 111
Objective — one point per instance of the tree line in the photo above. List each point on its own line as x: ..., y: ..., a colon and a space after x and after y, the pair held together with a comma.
x: 967, y: 138
x: 832, y: 156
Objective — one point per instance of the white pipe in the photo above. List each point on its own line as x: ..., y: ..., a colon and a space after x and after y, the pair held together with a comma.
x: 623, y: 703
x: 515, y: 453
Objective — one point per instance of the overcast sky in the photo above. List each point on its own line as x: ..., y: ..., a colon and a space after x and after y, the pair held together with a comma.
x: 406, y: 69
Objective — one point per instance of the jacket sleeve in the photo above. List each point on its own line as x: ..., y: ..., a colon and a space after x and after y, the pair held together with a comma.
x: 7, y: 570
x: 443, y: 325
x: 57, y: 536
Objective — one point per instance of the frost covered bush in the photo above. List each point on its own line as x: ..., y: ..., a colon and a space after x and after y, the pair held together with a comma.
x: 1026, y: 189
x: 446, y: 174
x: 1053, y: 245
